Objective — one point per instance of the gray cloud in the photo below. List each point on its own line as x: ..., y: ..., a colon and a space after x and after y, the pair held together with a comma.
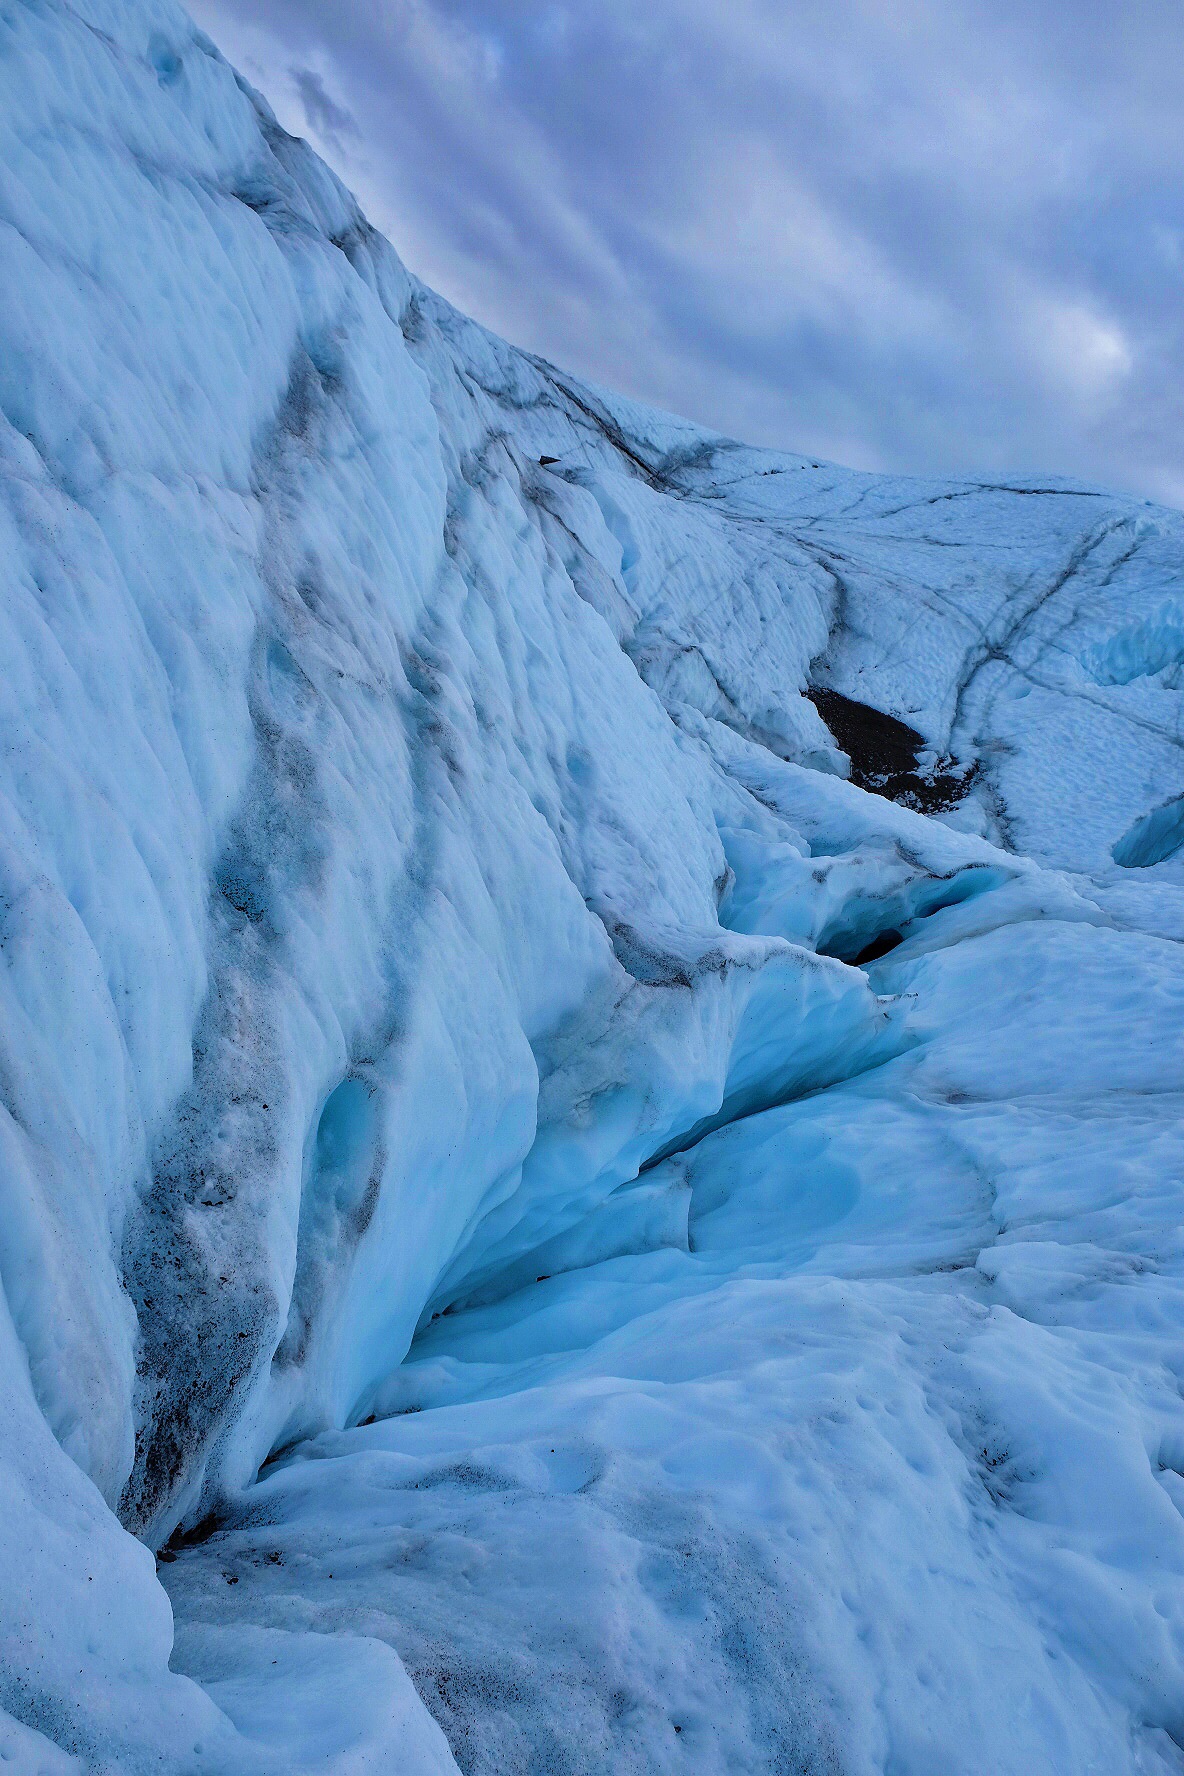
x: 323, y: 114
x: 903, y: 233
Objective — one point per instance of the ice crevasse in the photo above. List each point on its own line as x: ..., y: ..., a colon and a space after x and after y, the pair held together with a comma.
x: 590, y: 1050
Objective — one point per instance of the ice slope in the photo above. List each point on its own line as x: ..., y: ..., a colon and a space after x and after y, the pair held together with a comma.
x: 453, y: 978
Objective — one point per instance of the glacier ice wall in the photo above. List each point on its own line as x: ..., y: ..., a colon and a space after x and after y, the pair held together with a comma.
x: 419, y: 853
x: 326, y: 761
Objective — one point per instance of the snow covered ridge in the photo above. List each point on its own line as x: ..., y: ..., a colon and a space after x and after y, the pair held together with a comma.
x: 585, y: 1237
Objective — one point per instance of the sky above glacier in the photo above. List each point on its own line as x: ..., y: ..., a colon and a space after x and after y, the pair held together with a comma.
x: 905, y: 234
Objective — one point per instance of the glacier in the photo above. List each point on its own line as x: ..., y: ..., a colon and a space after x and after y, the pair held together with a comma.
x: 592, y: 1033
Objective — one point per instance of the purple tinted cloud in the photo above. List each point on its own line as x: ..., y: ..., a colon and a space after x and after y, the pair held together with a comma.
x: 904, y: 233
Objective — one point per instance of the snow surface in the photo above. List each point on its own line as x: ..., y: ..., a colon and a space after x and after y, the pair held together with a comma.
x: 586, y: 1241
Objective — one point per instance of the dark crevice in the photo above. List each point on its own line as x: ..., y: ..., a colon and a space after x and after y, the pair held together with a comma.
x: 866, y: 930
x: 881, y: 945
x: 885, y: 753
x: 182, y: 1539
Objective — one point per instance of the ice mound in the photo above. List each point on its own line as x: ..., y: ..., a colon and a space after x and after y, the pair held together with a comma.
x: 585, y: 1237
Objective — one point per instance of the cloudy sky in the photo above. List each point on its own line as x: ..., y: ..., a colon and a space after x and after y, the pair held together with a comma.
x: 905, y: 234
